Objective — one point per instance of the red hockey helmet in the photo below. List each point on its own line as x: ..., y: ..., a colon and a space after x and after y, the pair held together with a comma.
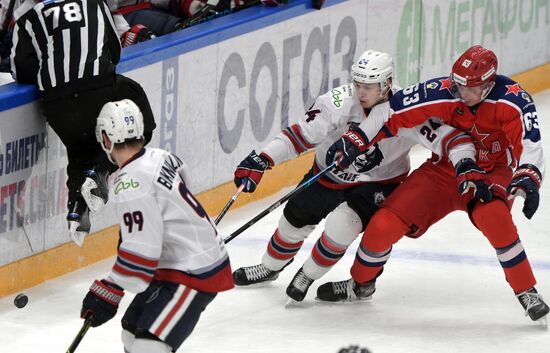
x: 475, y: 67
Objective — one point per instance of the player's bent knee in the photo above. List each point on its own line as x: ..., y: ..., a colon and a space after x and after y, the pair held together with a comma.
x: 299, y: 217
x: 384, y: 229
x: 343, y: 225
x: 292, y: 234
x: 128, y: 339
x: 144, y: 345
x: 495, y: 221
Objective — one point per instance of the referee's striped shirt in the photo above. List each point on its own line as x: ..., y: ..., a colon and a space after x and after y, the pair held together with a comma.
x: 64, y: 46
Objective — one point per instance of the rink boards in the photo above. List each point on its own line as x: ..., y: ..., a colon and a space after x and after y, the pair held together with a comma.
x: 225, y: 87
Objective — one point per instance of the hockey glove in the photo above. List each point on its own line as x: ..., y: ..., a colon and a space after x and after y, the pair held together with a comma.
x: 469, y: 176
x: 136, y: 34
x: 353, y: 143
x: 101, y: 302
x: 251, y: 170
x: 274, y: 2
x: 526, y: 183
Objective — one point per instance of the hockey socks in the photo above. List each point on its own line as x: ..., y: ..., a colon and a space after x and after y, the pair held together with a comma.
x: 385, y: 228
x: 495, y: 222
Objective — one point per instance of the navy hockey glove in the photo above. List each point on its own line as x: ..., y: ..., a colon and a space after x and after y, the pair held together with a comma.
x: 348, y: 147
x: 470, y: 175
x: 526, y: 183
x: 101, y: 302
x: 136, y: 34
x: 251, y: 170
x: 274, y: 2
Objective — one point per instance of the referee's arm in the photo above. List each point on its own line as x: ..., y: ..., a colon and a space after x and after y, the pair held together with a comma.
x: 113, y: 40
x: 24, y: 61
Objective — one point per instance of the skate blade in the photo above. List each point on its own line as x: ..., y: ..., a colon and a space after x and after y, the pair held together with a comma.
x: 291, y: 303
x: 263, y: 284
x: 76, y: 236
x: 344, y: 302
x: 543, y: 321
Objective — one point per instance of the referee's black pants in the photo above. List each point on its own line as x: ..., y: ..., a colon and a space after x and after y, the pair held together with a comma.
x: 73, y: 118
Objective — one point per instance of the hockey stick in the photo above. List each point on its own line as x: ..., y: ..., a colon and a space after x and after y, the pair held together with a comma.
x: 80, y: 335
x: 229, y: 204
x: 278, y: 203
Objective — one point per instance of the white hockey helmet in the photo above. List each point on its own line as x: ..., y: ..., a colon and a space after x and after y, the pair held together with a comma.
x: 121, y: 121
x: 373, y: 67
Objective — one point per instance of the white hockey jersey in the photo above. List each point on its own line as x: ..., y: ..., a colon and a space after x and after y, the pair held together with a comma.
x: 165, y: 232
x: 387, y: 161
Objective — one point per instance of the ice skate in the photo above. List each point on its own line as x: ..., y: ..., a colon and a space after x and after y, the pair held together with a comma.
x: 78, y: 220
x: 345, y: 291
x: 95, y: 190
x: 534, y: 306
x: 297, y: 289
x: 248, y: 275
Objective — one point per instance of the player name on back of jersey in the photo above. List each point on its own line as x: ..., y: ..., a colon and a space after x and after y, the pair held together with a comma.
x: 168, y: 171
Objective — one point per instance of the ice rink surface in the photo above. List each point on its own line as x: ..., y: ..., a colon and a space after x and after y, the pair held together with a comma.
x: 444, y: 292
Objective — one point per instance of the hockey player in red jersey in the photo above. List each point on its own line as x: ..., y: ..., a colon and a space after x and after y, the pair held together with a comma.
x: 169, y: 253
x: 349, y: 197
x: 502, y: 119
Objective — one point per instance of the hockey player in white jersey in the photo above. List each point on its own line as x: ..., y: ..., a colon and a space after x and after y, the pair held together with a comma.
x: 169, y: 252
x: 351, y: 196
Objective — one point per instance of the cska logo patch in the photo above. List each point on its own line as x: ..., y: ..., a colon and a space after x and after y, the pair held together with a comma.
x: 447, y: 84
x: 515, y: 89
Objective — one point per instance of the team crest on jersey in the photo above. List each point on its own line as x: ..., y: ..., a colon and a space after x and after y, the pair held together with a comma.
x: 514, y: 89
x: 496, y: 147
x: 446, y: 83
x: 379, y: 198
x: 525, y: 96
x: 432, y: 85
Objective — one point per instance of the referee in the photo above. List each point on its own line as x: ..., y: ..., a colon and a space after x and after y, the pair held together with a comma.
x: 69, y: 49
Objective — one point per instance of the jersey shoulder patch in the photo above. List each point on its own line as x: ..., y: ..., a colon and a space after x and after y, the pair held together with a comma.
x: 509, y: 90
x: 129, y: 185
x: 436, y: 89
x: 337, y: 98
x: 135, y: 179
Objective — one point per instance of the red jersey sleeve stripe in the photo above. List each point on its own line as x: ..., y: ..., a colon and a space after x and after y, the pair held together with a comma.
x: 138, y: 259
x: 131, y: 273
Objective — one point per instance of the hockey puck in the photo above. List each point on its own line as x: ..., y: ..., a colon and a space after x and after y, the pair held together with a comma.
x: 21, y: 300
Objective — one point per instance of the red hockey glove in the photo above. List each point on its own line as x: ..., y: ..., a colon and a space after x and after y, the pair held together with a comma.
x: 526, y: 183
x: 470, y: 175
x: 136, y: 34
x: 251, y: 170
x: 346, y: 149
x: 101, y: 302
